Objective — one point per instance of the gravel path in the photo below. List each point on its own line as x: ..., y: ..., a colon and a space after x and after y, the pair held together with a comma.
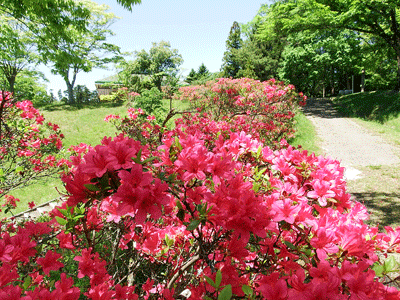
x: 345, y: 140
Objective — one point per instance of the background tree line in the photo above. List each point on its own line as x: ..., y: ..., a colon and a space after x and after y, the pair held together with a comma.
x: 70, y: 36
x: 318, y: 45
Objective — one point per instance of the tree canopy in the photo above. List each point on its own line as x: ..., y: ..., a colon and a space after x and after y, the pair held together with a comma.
x: 83, y: 50
x: 230, y: 66
x: 374, y: 20
x: 17, y: 51
x: 159, y: 63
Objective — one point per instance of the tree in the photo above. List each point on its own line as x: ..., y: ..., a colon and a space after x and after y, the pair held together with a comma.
x: 375, y: 18
x: 203, y: 71
x: 158, y: 64
x: 51, y: 13
x: 16, y: 50
x: 81, y: 52
x: 30, y: 85
x: 202, y: 75
x: 192, y: 76
x: 317, y: 61
x: 230, y: 65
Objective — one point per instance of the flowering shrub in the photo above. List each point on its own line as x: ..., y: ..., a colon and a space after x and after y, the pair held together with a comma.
x: 27, y: 144
x: 265, y: 109
x: 201, y: 216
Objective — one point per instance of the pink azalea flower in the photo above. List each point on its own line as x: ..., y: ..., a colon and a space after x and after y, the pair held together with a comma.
x: 321, y: 191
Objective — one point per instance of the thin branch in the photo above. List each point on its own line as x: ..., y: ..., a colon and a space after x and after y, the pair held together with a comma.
x: 193, y: 260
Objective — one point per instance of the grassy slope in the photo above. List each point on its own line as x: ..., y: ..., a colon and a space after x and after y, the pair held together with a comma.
x: 305, y: 135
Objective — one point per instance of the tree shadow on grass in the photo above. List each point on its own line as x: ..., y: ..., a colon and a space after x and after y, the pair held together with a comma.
x: 75, y: 107
x: 377, y: 106
x: 384, y: 208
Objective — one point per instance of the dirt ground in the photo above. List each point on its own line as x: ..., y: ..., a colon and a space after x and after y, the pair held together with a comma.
x: 372, y: 163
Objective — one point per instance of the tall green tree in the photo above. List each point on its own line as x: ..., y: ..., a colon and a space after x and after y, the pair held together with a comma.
x: 17, y: 51
x: 192, y: 76
x: 159, y: 64
x: 202, y: 75
x: 258, y: 58
x: 375, y: 18
x: 83, y: 50
x: 230, y: 65
x: 203, y: 71
x: 316, y: 62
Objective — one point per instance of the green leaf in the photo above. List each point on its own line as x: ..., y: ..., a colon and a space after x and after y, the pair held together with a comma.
x: 178, y: 144
x: 247, y: 290
x: 138, y: 158
x: 104, y: 181
x: 181, y: 214
x: 149, y: 159
x: 226, y: 293
x: 218, y: 279
x: 64, y: 212
x: 210, y: 281
x: 19, y: 169
x: 193, y: 225
x: 378, y: 269
x: 289, y: 245
x: 92, y: 187
x: 27, y: 282
x: 79, y: 210
x: 259, y: 151
x: 77, y: 217
x: 169, y: 242
x: 390, y: 264
x: 61, y: 221
x: 178, y: 204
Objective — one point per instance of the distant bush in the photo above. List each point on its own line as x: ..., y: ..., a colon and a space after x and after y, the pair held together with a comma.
x: 116, y: 97
x: 150, y: 101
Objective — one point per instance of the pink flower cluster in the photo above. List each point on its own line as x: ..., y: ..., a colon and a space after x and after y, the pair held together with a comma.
x: 200, y: 216
x: 264, y: 109
x: 27, y: 144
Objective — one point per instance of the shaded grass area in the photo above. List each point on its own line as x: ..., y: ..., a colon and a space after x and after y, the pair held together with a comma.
x: 379, y: 106
x: 305, y: 135
x: 379, y: 190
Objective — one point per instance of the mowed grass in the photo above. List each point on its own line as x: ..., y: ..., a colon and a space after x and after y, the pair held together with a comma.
x: 79, y: 125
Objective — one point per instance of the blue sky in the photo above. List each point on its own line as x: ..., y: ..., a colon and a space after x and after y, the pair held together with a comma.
x: 198, y: 29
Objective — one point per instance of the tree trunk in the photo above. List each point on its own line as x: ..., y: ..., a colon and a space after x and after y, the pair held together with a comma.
x: 11, y: 83
x: 362, y: 80
x: 398, y: 71
x: 70, y: 84
x: 71, y: 98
